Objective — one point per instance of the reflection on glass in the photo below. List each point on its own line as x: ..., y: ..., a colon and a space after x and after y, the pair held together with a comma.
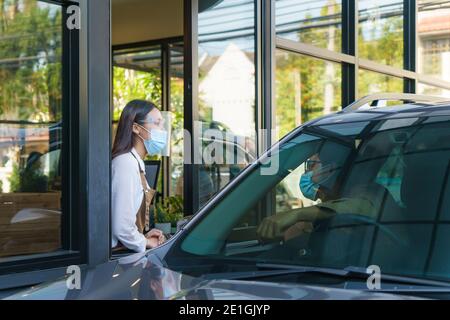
x: 381, y: 31
x: 226, y: 101
x: 177, y: 108
x: 432, y: 90
x: 31, y: 127
x: 370, y: 82
x: 306, y: 88
x: 433, y: 29
x: 312, y: 22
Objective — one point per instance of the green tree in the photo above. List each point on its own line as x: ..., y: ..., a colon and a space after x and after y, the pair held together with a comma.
x: 30, y: 51
x: 302, y: 82
x: 383, y: 44
x: 129, y: 84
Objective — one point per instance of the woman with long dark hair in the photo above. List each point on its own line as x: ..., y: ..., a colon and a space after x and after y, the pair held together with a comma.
x: 140, y: 132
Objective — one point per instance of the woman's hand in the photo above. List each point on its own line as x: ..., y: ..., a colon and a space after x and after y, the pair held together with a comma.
x: 152, y: 243
x: 155, y: 238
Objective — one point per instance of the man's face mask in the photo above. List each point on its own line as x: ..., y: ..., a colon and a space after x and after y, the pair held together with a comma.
x: 157, y: 141
x: 307, y: 186
x: 312, y: 179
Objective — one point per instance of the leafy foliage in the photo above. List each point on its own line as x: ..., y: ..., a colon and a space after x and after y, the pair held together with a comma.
x: 30, y: 51
x: 131, y: 84
x: 170, y: 209
x: 307, y: 88
x: 28, y: 180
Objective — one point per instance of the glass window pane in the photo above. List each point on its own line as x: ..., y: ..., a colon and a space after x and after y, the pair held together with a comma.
x: 381, y: 31
x: 31, y: 127
x: 433, y: 29
x: 432, y: 90
x: 137, y: 75
x: 177, y: 108
x: 226, y: 91
x: 373, y: 82
x: 312, y: 22
x: 306, y: 88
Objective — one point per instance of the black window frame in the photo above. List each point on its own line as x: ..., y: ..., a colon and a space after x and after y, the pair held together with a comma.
x: 70, y: 226
x: 85, y: 151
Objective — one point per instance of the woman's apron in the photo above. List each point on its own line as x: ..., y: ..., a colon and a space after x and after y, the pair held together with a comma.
x: 143, y: 214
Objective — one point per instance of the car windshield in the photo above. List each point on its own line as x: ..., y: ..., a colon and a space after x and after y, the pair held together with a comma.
x: 337, y: 195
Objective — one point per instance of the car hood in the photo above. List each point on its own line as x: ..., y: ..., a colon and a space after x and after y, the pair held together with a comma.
x: 143, y: 276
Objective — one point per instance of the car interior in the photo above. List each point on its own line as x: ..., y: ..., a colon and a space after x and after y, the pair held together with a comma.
x: 402, y: 172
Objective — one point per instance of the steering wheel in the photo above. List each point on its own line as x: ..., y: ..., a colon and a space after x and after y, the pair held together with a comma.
x: 340, y: 237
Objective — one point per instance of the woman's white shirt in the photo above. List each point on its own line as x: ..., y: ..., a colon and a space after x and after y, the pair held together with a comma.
x: 127, y: 194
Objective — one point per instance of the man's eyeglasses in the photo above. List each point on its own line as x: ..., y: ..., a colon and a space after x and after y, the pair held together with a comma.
x: 309, y: 164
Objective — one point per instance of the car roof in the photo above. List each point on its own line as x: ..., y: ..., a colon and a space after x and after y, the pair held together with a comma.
x: 410, y: 110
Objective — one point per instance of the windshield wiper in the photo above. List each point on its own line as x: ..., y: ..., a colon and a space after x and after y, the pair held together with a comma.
x: 348, y: 273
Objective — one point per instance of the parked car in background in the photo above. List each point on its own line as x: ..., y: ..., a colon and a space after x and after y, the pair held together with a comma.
x: 236, y: 152
x: 384, y: 205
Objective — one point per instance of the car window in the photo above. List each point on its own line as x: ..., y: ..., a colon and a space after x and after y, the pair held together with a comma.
x: 391, y: 174
x: 341, y: 198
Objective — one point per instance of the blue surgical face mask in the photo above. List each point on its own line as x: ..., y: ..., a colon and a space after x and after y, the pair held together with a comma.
x: 156, y: 143
x: 307, y: 185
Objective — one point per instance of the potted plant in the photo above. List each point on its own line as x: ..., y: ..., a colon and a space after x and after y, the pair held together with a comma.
x: 167, y: 213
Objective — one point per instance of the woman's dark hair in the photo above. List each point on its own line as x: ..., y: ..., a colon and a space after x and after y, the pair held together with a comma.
x: 134, y: 111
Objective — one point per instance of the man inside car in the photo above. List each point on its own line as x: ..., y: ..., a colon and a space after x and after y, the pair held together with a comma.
x: 317, y: 184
